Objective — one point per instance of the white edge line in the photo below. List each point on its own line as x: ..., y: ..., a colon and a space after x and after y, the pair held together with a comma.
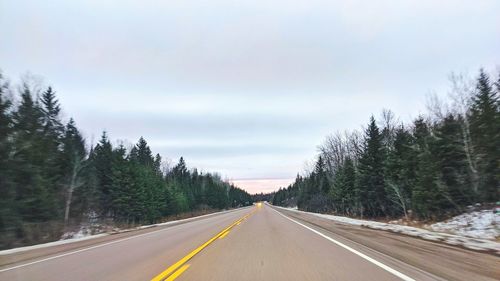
x: 102, y: 245
x: 377, y: 263
x: 74, y: 240
x: 51, y: 244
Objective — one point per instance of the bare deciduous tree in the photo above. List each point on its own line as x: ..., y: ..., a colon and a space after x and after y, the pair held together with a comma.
x: 337, y: 147
x: 389, y: 123
x: 398, y: 198
x: 74, y: 183
x: 461, y: 95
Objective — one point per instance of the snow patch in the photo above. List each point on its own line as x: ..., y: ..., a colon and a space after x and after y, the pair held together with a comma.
x: 452, y: 239
x: 85, y: 233
x: 483, y: 224
x: 50, y: 244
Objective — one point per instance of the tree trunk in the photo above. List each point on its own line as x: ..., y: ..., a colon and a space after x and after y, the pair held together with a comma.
x: 469, y: 152
x: 71, y: 188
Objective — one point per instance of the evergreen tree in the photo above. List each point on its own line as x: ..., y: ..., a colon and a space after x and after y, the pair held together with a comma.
x: 157, y: 165
x: 321, y: 180
x: 148, y: 192
x: 452, y: 163
x: 102, y: 160
x: 51, y: 109
x: 400, y: 171
x: 314, y: 194
x: 238, y: 197
x: 182, y: 177
x: 180, y: 170
x: 5, y: 125
x: 50, y: 146
x: 485, y: 131
x: 9, y: 218
x: 33, y: 198
x: 46, y: 177
x: 426, y: 195
x: 436, y: 170
x: 127, y: 196
x: 72, y: 162
x: 343, y: 189
x: 5, y: 119
x: 141, y: 153
x: 370, y: 182
x: 87, y: 198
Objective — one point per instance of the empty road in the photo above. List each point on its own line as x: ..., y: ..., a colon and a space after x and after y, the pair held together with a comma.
x: 256, y: 243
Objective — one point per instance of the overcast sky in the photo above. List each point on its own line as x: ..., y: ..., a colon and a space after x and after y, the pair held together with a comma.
x: 245, y: 88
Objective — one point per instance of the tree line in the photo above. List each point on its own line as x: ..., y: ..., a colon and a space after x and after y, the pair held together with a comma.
x: 49, y: 180
x: 431, y: 168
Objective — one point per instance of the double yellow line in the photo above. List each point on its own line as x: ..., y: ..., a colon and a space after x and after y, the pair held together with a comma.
x: 179, y: 267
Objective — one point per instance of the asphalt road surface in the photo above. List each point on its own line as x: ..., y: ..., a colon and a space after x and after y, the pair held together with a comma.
x: 256, y: 243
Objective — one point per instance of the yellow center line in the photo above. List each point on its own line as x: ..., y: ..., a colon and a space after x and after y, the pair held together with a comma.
x: 182, y: 261
x: 177, y: 273
x: 224, y: 235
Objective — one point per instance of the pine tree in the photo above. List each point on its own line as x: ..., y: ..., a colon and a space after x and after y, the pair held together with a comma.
x: 370, y: 182
x: 238, y: 197
x: 46, y: 176
x: 51, y: 109
x: 314, y: 194
x: 182, y: 177
x: 426, y: 195
x: 126, y: 205
x: 51, y: 143
x: 157, y: 165
x: 322, y: 182
x: 180, y: 170
x: 5, y: 129
x: 452, y: 163
x: 102, y: 163
x: 149, y: 186
x: 497, y: 86
x: 485, y: 131
x: 343, y: 189
x: 5, y: 119
x: 88, y: 197
x: 400, y: 171
x: 72, y: 163
x: 141, y: 153
x: 33, y: 197
x: 9, y: 219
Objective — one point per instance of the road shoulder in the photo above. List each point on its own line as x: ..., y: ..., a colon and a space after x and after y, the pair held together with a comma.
x: 12, y: 257
x: 448, y: 262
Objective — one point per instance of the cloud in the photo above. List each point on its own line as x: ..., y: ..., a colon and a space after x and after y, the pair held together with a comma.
x: 249, y: 88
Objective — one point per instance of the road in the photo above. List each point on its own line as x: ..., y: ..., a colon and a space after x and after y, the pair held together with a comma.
x: 256, y: 243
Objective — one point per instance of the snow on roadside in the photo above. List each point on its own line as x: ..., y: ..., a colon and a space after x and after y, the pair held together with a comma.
x: 479, y: 224
x: 50, y: 244
x: 83, y: 231
x: 467, y: 242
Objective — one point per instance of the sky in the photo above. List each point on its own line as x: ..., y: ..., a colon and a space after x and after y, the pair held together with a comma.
x: 248, y: 89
